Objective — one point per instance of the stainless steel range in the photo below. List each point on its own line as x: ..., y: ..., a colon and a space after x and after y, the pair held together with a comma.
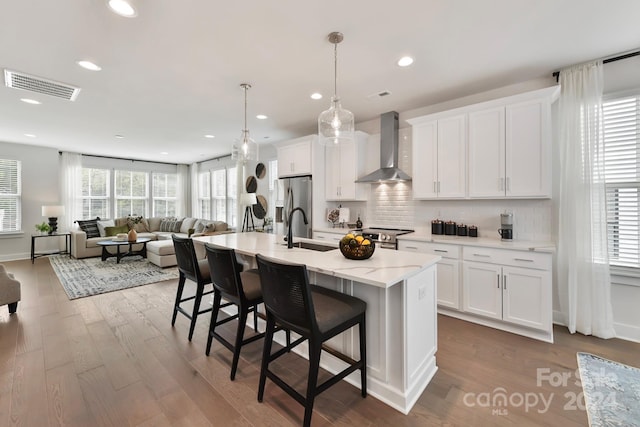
x: 384, y: 237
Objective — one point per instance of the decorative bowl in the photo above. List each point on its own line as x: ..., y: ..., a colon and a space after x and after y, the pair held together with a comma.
x: 352, y: 249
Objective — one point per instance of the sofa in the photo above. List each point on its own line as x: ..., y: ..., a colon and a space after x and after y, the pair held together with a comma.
x: 155, y: 228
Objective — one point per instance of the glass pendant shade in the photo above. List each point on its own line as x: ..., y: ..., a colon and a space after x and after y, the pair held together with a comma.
x: 336, y: 125
x: 245, y: 149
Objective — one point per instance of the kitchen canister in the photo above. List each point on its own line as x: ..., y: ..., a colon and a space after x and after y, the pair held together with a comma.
x: 473, y: 231
x: 437, y: 227
x: 462, y: 230
x: 450, y: 228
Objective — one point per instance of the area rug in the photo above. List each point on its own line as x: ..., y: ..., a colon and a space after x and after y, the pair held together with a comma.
x: 91, y: 276
x: 611, y: 391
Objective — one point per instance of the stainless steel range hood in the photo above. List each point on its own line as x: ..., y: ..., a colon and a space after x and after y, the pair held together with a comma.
x: 389, y: 147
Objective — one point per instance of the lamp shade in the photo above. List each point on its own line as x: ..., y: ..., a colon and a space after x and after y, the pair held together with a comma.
x: 52, y: 211
x: 248, y: 199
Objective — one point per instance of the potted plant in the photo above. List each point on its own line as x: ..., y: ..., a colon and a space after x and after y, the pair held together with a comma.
x: 43, y: 228
x: 132, y: 221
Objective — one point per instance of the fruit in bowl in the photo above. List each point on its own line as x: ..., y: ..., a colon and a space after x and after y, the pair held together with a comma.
x: 355, y: 246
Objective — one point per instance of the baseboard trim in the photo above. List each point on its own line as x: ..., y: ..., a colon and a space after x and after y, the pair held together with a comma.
x: 623, y: 331
x: 15, y: 257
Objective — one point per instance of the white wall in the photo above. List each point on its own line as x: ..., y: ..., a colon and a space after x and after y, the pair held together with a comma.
x: 39, y: 187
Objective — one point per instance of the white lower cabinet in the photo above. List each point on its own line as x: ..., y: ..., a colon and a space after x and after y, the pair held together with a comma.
x: 448, y: 271
x: 328, y: 237
x: 512, y: 286
x: 501, y: 288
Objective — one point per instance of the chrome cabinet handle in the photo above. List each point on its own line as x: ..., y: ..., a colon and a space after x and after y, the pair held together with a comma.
x: 411, y: 247
x: 482, y: 255
x: 504, y: 283
x: 441, y: 250
x: 523, y: 260
x: 498, y: 281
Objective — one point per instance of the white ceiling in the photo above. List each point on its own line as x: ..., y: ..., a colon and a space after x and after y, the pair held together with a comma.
x: 173, y: 74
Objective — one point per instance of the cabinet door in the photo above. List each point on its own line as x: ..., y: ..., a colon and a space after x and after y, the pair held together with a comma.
x: 528, y: 149
x: 448, y: 283
x: 333, y: 170
x: 527, y: 297
x: 425, y: 160
x: 487, y: 153
x: 482, y: 292
x: 452, y: 157
x: 294, y: 159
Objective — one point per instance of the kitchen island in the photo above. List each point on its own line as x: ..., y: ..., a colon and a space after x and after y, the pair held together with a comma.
x: 400, y: 291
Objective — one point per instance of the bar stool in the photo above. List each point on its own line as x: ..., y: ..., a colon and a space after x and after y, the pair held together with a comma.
x: 190, y: 267
x: 317, y: 314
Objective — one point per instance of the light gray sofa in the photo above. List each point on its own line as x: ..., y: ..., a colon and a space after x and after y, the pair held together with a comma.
x: 83, y: 247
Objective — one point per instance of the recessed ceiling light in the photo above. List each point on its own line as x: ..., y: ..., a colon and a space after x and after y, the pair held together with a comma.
x: 316, y: 95
x: 123, y: 8
x: 119, y: 136
x: 30, y: 135
x: 210, y: 136
x: 30, y: 101
x: 261, y: 117
x: 164, y: 153
x: 405, y: 61
x: 88, y: 65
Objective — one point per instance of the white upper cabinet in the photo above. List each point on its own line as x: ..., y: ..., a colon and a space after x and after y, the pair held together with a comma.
x: 295, y: 157
x: 344, y: 164
x: 439, y: 157
x: 510, y: 146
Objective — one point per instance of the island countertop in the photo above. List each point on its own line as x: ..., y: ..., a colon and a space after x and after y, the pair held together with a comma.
x: 384, y: 269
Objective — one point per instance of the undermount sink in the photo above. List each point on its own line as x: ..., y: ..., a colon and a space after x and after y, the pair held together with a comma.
x: 313, y: 246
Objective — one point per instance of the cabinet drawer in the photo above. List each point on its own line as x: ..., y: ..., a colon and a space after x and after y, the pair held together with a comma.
x: 526, y: 259
x: 328, y: 237
x: 443, y: 250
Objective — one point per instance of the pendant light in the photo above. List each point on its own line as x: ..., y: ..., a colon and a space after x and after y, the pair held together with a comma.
x: 335, y: 125
x: 245, y: 148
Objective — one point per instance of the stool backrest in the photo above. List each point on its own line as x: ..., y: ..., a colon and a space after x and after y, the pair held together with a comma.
x: 224, y: 268
x: 186, y: 258
x: 287, y: 294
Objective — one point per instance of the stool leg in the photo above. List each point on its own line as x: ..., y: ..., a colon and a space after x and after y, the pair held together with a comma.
x: 214, y: 319
x: 363, y: 356
x: 13, y: 307
x: 242, y: 320
x: 178, y: 297
x: 266, y: 355
x: 196, y: 309
x: 312, y: 381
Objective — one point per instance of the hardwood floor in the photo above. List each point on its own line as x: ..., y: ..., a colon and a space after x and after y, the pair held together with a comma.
x: 115, y: 360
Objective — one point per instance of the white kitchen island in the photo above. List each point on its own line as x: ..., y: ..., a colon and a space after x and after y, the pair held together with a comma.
x: 400, y: 291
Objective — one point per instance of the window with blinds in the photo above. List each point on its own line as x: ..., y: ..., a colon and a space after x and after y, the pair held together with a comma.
x: 621, y: 120
x: 10, y: 195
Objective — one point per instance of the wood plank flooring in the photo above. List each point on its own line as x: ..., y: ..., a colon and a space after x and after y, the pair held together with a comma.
x: 115, y: 360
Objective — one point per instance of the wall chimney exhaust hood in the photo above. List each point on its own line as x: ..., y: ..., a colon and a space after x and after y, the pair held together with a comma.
x: 389, y: 147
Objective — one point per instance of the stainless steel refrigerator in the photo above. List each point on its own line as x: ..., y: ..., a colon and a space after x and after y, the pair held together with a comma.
x: 297, y: 193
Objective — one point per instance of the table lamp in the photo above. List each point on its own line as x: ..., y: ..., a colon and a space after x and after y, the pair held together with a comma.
x: 52, y: 212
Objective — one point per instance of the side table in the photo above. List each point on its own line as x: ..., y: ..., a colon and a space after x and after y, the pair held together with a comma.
x: 67, y: 244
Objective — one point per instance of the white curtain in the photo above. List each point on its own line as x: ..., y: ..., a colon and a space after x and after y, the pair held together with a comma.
x: 195, y: 209
x: 71, y: 187
x: 584, y: 281
x: 184, y: 192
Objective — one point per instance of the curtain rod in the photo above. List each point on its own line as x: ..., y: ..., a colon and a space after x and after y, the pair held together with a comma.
x: 556, y: 74
x: 122, y: 158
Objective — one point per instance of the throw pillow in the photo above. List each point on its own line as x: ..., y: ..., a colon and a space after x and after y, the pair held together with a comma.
x: 169, y: 225
x: 103, y: 224
x: 199, y: 227
x: 210, y: 227
x: 115, y: 230
x: 89, y: 226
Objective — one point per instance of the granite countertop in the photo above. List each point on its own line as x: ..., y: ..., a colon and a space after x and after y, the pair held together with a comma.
x: 384, y: 269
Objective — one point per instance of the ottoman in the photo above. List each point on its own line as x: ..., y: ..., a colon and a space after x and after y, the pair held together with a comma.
x: 161, y: 253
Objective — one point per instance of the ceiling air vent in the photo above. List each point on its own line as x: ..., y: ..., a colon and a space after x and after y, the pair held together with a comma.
x: 18, y: 80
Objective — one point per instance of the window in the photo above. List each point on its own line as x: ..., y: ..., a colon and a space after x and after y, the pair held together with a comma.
x: 232, y: 197
x: 95, y: 193
x: 204, y: 195
x: 10, y: 195
x: 622, y: 175
x: 219, y: 194
x: 165, y: 188
x: 131, y: 193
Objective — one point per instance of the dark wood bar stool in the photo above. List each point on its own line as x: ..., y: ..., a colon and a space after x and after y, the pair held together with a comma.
x: 317, y: 314
x: 239, y: 288
x: 190, y: 267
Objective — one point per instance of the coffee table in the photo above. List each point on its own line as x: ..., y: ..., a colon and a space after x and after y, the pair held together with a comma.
x: 119, y: 254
